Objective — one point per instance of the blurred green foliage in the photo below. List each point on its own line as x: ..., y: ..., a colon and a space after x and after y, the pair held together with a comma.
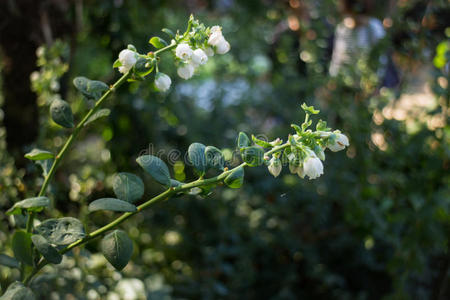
x: 376, y: 225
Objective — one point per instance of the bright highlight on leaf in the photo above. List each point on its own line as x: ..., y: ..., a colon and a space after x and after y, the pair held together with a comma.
x: 62, y: 231
x: 112, y: 204
x: 36, y: 204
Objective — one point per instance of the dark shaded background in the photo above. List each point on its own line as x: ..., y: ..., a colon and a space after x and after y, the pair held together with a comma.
x: 375, y: 225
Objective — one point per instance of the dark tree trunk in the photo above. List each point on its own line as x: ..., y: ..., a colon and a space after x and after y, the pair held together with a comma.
x: 24, y: 25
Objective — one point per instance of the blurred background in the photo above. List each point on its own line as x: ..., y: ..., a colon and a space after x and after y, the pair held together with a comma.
x: 376, y: 225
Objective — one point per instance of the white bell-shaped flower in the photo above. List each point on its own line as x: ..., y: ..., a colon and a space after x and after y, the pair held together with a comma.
x: 127, y: 58
x: 275, y: 166
x: 199, y: 57
x: 313, y: 167
x: 340, y: 143
x: 223, y: 47
x: 186, y: 71
x: 162, y: 82
x: 183, y: 51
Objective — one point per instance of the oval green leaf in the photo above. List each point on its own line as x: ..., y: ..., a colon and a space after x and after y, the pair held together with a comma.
x: 112, y: 204
x: 38, y: 154
x: 90, y: 89
x: 17, y: 291
x: 61, y: 113
x: 253, y: 156
x: 128, y: 187
x: 21, y: 246
x: 155, y: 167
x: 104, y: 112
x: 62, y: 231
x: 8, y: 261
x: 235, y: 179
x: 157, y: 42
x: 49, y: 252
x: 196, y: 154
x: 243, y: 140
x: 117, y: 248
x: 214, y: 158
x: 36, y: 204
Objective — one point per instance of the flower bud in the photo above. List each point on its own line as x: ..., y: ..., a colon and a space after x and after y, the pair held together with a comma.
x: 223, y: 47
x: 216, y: 36
x: 199, y: 57
x: 301, y: 172
x: 127, y: 58
x: 340, y: 143
x: 183, y: 51
x: 162, y: 82
x: 293, y: 168
x: 319, y: 151
x: 186, y: 71
x: 275, y: 166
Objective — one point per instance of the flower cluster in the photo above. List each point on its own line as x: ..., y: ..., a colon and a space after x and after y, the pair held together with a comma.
x: 190, y: 50
x: 306, y: 149
x: 190, y: 59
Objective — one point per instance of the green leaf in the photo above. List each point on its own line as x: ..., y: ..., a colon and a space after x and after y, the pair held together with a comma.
x: 214, y: 158
x: 104, y: 112
x: 8, y: 261
x: 17, y: 291
x: 168, y: 32
x: 142, y: 68
x: 21, y: 246
x: 38, y: 154
x: 175, y: 183
x: 243, y: 140
x: 46, y: 165
x: 116, y: 64
x: 61, y: 113
x: 112, y: 204
x: 310, y: 109
x: 91, y: 89
x: 297, y: 128
x: 322, y: 126
x: 62, y: 231
x: 49, y: 252
x: 235, y: 179
x: 261, y: 143
x: 31, y: 204
x: 155, y: 167
x: 253, y: 156
x: 196, y: 154
x: 117, y: 248
x: 128, y: 187
x: 157, y: 42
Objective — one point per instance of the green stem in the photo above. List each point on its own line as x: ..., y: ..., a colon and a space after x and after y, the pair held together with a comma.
x: 163, y: 196
x: 70, y: 140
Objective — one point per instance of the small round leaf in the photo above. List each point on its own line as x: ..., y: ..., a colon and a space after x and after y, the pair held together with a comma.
x: 36, y: 204
x: 38, y: 154
x: 8, y: 261
x: 21, y: 246
x: 253, y: 156
x: 196, y: 154
x: 117, y: 248
x: 214, y: 158
x: 155, y: 167
x: 61, y: 113
x: 62, y: 231
x: 235, y: 179
x: 128, y: 187
x: 243, y: 140
x: 48, y: 251
x: 17, y: 291
x: 112, y: 204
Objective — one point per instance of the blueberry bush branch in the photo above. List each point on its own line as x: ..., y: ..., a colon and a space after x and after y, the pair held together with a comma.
x: 46, y: 243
